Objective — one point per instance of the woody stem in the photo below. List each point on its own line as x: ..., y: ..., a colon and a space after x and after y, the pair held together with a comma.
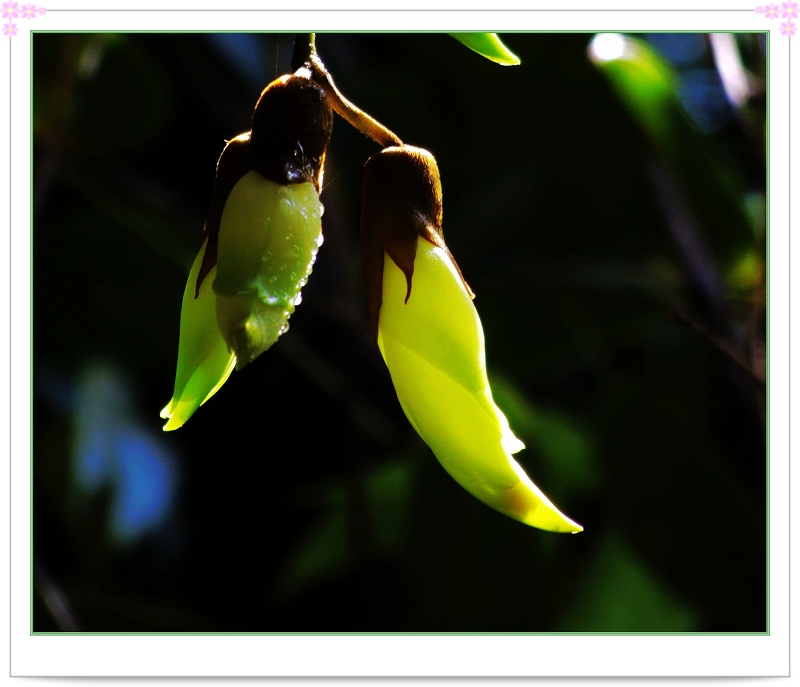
x: 356, y: 117
x: 305, y: 56
x: 304, y: 47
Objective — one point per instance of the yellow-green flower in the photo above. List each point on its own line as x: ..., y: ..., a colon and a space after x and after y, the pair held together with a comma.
x: 204, y: 361
x: 431, y: 338
x: 262, y: 235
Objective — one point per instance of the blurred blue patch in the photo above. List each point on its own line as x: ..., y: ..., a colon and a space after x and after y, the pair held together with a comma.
x: 113, y: 451
x: 91, y: 464
x: 146, y: 480
x: 246, y: 54
x: 703, y: 96
x: 700, y: 91
x: 681, y: 49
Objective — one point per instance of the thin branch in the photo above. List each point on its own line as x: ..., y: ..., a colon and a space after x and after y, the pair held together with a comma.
x: 54, y: 598
x: 305, y: 57
x: 721, y: 346
x: 356, y: 117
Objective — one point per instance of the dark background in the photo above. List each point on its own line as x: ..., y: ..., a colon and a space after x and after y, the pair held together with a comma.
x: 621, y: 284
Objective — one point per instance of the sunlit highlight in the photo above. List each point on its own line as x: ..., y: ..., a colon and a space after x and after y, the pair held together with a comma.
x: 607, y: 46
x: 729, y: 65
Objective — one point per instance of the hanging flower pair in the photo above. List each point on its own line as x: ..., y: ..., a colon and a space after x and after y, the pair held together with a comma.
x: 262, y: 235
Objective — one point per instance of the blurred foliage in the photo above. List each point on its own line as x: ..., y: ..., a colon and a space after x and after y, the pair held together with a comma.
x: 610, y: 216
x: 489, y: 45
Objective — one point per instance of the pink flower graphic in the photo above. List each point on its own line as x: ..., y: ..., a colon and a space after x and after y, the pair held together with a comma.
x: 28, y: 12
x: 41, y: 10
x: 10, y: 12
x: 10, y: 29
x: 788, y: 28
x: 759, y: 10
x: 772, y: 11
x: 789, y: 10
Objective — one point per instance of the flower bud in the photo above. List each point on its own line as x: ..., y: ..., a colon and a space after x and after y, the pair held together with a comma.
x: 268, y: 240
x: 431, y: 338
x: 263, y: 231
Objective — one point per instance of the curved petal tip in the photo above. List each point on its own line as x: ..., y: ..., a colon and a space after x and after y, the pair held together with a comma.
x: 490, y: 46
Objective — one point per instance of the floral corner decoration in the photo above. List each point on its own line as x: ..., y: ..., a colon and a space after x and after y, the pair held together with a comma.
x: 11, y: 10
x: 787, y: 11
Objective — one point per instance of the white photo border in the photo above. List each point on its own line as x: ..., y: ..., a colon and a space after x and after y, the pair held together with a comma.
x: 382, y: 655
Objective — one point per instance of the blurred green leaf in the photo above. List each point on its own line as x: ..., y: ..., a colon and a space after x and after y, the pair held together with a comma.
x: 619, y: 594
x: 746, y: 274
x: 388, y: 489
x: 322, y: 554
x: 326, y: 551
x: 643, y: 80
x: 647, y: 86
x: 564, y: 448
x: 489, y: 45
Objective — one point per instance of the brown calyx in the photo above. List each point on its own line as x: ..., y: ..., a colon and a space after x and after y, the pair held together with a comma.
x: 230, y: 168
x: 290, y: 132
x: 291, y: 129
x: 401, y: 201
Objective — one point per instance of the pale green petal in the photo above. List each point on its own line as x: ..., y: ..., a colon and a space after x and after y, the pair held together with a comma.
x: 204, y: 361
x: 433, y: 347
x: 489, y: 45
x: 439, y: 321
x: 268, y: 241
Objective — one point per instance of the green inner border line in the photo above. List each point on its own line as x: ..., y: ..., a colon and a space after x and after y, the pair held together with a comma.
x: 768, y: 35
